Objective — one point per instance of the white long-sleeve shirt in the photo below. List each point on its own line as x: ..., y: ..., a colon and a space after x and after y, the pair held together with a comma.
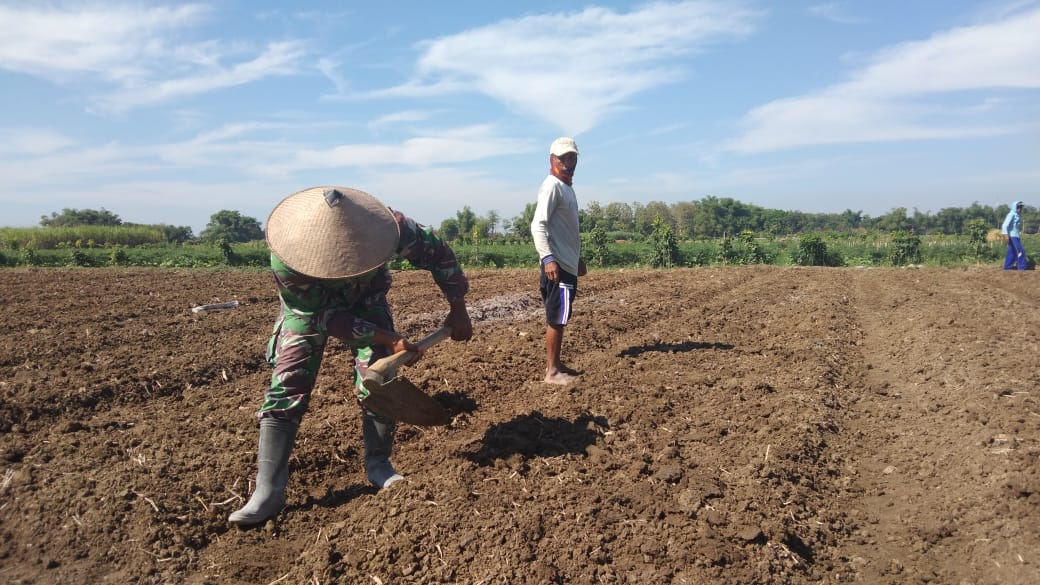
x: 555, y: 225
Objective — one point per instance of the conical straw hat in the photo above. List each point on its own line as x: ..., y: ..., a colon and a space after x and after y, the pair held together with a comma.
x: 332, y: 232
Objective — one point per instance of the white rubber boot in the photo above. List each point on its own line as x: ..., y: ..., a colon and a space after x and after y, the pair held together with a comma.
x: 272, y: 460
x: 378, y: 434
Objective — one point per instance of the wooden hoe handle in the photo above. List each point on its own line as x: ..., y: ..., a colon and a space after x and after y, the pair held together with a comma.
x: 390, y: 363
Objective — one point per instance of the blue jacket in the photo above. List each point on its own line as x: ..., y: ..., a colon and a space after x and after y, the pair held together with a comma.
x: 1013, y: 222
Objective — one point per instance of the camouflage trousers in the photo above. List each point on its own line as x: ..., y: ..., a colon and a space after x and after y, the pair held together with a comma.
x: 295, y: 352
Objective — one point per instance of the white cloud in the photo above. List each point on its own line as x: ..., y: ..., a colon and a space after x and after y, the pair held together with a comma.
x: 398, y: 118
x: 835, y: 12
x: 115, y: 42
x: 897, y: 96
x: 278, y: 59
x: 16, y: 142
x: 1004, y: 54
x: 454, y: 146
x: 135, y: 50
x: 574, y: 69
x: 999, y: 9
x: 247, y: 151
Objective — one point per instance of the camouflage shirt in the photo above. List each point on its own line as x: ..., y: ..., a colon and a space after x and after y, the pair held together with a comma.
x: 307, y: 297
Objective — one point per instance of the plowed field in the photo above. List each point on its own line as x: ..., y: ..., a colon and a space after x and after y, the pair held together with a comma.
x: 731, y: 426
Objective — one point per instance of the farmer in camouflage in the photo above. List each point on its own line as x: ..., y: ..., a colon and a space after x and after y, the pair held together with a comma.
x: 329, y: 249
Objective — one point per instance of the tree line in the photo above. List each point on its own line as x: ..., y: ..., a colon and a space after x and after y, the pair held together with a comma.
x: 717, y: 217
x: 224, y: 225
x: 707, y: 218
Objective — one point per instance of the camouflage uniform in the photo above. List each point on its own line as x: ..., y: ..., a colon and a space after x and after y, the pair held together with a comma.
x: 312, y: 310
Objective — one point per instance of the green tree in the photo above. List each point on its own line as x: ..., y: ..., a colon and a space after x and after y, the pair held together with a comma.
x: 176, y: 234
x: 684, y: 213
x: 449, y: 230
x: 976, y: 229
x: 75, y: 217
x: 753, y: 253
x: 227, y: 252
x: 907, y: 248
x: 231, y: 226
x: 592, y: 216
x: 709, y: 222
x: 664, y: 250
x: 851, y: 219
x: 812, y: 251
x: 950, y: 220
x: 481, y: 230
x: 595, y: 246
x: 466, y: 219
x: 893, y: 221
x: 521, y: 224
x: 775, y: 222
x: 619, y: 217
x: 492, y: 219
x: 647, y: 216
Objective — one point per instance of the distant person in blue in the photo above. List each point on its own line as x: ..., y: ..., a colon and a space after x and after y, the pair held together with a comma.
x: 1012, y: 232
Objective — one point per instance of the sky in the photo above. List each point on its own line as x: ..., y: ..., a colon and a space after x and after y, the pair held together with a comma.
x: 168, y: 112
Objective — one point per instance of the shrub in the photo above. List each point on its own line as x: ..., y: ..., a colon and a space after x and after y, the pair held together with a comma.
x: 118, y: 257
x: 30, y: 257
x: 977, y: 231
x: 474, y: 258
x: 906, y: 248
x: 595, y: 247
x: 753, y: 252
x: 78, y: 257
x: 702, y: 257
x: 812, y: 251
x: 227, y: 252
x: 725, y: 253
x: 664, y: 249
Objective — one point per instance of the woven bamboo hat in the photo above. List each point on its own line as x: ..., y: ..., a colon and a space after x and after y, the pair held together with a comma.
x: 332, y: 232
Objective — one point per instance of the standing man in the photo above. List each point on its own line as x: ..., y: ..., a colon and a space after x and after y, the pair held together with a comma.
x: 1012, y: 232
x: 558, y: 241
x: 329, y: 249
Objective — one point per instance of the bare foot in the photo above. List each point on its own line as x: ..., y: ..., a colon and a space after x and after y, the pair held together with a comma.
x: 559, y: 378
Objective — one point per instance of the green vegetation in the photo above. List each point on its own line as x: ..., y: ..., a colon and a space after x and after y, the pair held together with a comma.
x: 709, y: 232
x: 73, y: 217
x: 83, y: 236
x: 714, y: 217
x: 231, y: 226
x: 202, y: 255
x: 661, y: 250
x: 818, y: 249
x: 79, y: 220
x: 664, y: 249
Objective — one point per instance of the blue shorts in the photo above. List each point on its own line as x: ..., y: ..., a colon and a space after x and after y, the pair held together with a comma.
x: 558, y: 296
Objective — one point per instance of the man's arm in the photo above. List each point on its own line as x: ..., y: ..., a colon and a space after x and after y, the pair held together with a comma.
x: 421, y: 246
x: 458, y: 320
x: 540, y: 222
x: 540, y: 231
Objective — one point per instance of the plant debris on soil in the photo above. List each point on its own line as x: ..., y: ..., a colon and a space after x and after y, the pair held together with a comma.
x: 730, y: 425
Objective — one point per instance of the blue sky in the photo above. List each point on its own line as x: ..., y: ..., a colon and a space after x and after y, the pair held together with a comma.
x: 169, y: 112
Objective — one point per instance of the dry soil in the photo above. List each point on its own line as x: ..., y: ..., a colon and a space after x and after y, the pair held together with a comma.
x: 731, y: 426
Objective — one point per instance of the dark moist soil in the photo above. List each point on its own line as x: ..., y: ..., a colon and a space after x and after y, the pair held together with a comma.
x: 731, y: 426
